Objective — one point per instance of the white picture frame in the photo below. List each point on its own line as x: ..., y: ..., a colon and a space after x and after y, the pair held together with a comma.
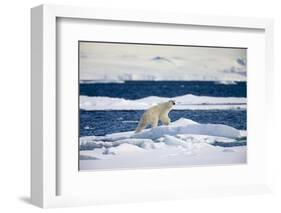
x: 45, y: 169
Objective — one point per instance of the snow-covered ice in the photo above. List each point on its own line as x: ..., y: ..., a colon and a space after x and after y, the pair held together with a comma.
x: 185, y: 102
x: 182, y: 143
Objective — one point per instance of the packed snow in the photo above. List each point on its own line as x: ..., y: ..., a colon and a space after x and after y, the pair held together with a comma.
x: 182, y: 143
x: 185, y: 102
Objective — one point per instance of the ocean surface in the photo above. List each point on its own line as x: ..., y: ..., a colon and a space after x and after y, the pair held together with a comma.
x: 140, y: 89
x: 104, y: 122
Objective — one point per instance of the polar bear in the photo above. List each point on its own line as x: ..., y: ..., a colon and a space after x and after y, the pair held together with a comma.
x: 154, y: 114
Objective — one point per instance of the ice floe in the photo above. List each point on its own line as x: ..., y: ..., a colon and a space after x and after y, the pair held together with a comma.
x: 185, y: 102
x: 182, y: 143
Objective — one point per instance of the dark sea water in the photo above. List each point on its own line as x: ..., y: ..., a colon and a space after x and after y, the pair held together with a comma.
x: 106, y: 122
x: 140, y: 89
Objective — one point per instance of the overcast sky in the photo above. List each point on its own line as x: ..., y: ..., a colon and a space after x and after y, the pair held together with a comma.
x: 113, y: 62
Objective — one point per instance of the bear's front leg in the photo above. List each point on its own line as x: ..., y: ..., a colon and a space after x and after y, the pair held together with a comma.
x: 165, y: 120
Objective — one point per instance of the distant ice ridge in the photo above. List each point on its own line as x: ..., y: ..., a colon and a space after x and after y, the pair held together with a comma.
x: 185, y: 102
x: 226, y: 82
x: 184, y: 142
x: 100, y: 81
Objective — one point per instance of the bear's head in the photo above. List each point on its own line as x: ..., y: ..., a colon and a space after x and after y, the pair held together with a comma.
x: 171, y: 103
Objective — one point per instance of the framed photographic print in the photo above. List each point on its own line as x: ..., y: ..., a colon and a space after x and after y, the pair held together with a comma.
x: 147, y: 106
x: 197, y: 93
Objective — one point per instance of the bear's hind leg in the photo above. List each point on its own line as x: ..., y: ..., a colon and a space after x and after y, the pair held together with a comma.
x: 141, y: 126
x: 154, y: 123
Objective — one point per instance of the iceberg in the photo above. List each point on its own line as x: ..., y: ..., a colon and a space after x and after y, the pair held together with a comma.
x: 185, y: 102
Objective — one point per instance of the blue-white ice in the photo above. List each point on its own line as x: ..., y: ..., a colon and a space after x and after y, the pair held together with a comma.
x: 185, y: 102
x: 182, y: 143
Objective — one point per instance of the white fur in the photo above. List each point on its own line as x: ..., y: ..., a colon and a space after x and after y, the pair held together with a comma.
x: 154, y: 114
